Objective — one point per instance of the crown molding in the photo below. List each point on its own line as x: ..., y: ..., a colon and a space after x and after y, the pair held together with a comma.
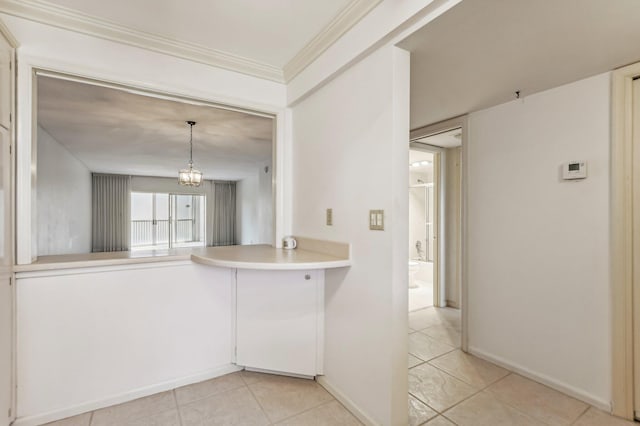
x: 343, y: 22
x: 69, y: 19
x: 7, y: 34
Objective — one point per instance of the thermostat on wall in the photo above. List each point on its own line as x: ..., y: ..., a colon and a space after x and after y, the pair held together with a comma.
x: 574, y: 170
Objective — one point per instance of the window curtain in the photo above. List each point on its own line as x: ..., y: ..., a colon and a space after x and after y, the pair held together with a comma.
x: 111, y: 213
x: 223, y: 229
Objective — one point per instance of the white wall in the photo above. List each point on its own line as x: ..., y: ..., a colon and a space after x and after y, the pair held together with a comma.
x: 166, y: 185
x: 538, y: 246
x: 247, y: 210
x: 265, y: 203
x: 254, y: 208
x: 64, y: 199
x: 351, y: 153
x: 95, y: 337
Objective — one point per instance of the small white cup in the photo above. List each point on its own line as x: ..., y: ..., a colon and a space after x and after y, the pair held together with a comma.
x: 289, y: 243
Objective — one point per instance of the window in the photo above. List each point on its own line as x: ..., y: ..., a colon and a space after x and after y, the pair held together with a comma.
x: 162, y: 221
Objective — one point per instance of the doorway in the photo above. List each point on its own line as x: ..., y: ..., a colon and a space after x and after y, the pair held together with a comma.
x: 435, y: 212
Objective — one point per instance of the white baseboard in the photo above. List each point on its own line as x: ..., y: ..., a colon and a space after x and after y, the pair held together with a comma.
x: 279, y: 373
x: 346, y: 401
x: 545, y: 380
x: 63, y: 413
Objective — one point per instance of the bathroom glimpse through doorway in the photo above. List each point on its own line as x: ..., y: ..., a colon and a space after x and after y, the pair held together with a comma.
x: 424, y: 198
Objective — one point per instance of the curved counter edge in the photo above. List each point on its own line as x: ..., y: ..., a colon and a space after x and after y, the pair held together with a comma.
x: 238, y: 264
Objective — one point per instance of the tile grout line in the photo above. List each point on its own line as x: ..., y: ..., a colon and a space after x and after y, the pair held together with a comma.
x: 91, y: 417
x: 309, y: 409
x: 513, y: 406
x: 208, y: 395
x: 499, y: 400
x: 258, y: 402
x: 175, y: 399
x: 581, y: 414
x: 486, y: 386
x: 513, y: 373
x: 431, y: 359
x: 416, y: 397
x: 449, y: 419
x: 303, y: 411
x: 428, y: 406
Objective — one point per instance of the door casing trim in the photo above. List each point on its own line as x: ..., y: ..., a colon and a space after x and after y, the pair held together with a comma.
x: 621, y: 249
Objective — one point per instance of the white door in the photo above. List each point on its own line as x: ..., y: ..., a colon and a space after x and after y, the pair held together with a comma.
x: 6, y: 235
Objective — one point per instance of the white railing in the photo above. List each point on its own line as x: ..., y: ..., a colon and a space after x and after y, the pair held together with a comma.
x: 150, y: 233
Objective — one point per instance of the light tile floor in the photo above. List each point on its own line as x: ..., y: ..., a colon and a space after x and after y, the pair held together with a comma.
x: 244, y: 398
x: 448, y: 387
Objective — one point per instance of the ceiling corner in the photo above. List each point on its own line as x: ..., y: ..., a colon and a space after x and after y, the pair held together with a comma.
x: 61, y: 17
x: 343, y: 22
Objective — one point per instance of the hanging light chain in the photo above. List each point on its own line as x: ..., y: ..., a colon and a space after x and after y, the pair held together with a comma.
x: 191, y: 123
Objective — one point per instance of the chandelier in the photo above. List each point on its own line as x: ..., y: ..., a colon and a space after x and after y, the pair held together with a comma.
x: 190, y: 176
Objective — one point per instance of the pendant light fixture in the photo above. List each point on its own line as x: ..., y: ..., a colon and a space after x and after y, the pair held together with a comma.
x: 190, y: 176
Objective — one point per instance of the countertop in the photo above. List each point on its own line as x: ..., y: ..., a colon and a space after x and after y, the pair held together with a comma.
x: 310, y: 254
x: 267, y: 257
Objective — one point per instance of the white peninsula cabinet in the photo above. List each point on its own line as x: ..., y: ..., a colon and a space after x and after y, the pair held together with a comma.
x: 100, y: 329
x: 280, y: 320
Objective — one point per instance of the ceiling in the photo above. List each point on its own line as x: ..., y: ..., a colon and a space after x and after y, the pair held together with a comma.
x: 478, y: 53
x: 273, y: 39
x: 114, y: 131
x: 450, y: 139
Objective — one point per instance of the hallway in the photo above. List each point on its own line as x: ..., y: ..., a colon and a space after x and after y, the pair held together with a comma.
x: 449, y: 387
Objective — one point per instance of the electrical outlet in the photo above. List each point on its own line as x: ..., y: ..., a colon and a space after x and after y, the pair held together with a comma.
x: 376, y: 220
x: 329, y: 217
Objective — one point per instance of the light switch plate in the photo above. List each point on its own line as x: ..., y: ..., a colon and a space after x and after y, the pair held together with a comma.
x: 376, y: 220
x: 329, y: 217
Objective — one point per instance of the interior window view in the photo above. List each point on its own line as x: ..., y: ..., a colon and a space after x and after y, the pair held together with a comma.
x: 320, y: 213
x: 126, y: 193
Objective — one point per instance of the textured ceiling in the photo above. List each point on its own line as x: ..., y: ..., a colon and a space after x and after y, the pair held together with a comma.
x: 114, y: 131
x: 479, y: 53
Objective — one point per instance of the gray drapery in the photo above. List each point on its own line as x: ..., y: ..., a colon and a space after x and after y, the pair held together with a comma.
x: 111, y: 212
x: 223, y: 232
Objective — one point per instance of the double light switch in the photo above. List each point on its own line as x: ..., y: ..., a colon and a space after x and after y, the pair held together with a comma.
x: 376, y: 220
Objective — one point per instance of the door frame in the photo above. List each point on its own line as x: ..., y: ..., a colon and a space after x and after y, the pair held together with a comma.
x: 13, y: 43
x: 460, y: 122
x: 621, y: 256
